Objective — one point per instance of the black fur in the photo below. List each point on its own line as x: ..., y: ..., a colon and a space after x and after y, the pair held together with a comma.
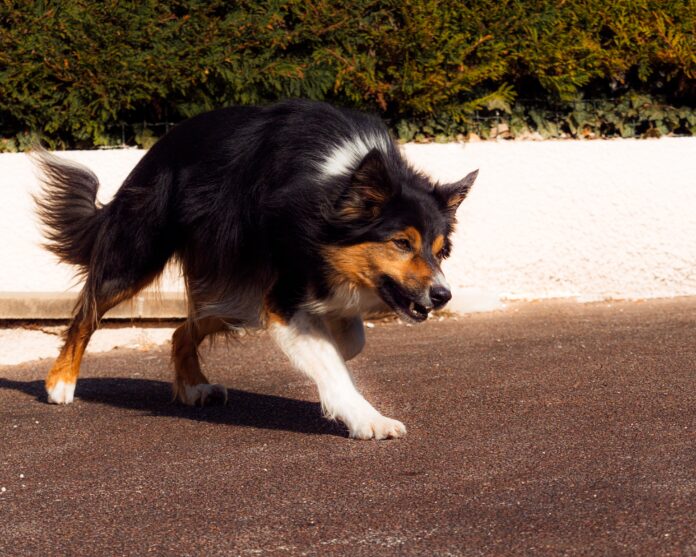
x: 67, y: 208
x: 239, y: 197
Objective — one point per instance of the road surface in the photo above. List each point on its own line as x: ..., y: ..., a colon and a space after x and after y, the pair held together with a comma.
x: 545, y: 429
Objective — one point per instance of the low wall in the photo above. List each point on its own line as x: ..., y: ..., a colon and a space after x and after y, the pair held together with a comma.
x: 589, y: 220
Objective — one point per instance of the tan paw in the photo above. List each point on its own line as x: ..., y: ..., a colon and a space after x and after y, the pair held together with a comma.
x: 198, y: 395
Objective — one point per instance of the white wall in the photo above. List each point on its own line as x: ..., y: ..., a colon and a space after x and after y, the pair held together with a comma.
x: 585, y: 219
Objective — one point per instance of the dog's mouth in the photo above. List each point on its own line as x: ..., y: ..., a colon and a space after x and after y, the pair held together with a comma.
x: 402, y: 302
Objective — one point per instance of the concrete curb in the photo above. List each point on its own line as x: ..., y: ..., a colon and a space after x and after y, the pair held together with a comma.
x: 51, y: 305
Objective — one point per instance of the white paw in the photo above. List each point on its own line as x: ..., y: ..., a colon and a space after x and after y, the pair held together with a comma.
x: 61, y: 393
x: 377, y: 427
x: 361, y: 418
x: 193, y: 395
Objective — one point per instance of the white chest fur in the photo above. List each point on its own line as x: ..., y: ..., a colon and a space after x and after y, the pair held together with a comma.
x: 347, y: 301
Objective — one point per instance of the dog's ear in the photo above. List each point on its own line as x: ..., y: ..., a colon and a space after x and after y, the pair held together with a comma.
x: 451, y: 195
x: 370, y: 189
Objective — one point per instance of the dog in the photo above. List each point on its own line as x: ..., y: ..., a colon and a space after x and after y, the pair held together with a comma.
x: 298, y: 217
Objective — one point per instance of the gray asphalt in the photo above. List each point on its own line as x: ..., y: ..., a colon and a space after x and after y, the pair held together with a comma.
x: 546, y: 429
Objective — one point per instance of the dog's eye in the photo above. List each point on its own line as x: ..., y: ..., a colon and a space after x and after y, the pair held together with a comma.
x: 402, y: 244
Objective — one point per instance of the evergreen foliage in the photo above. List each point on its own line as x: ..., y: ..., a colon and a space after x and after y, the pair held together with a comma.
x: 71, y: 71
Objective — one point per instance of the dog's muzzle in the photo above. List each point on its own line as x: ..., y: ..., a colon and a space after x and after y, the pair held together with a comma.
x: 439, y: 296
x: 439, y: 292
x: 412, y: 305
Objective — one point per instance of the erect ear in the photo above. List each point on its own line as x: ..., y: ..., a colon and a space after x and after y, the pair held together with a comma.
x: 370, y: 189
x: 453, y: 194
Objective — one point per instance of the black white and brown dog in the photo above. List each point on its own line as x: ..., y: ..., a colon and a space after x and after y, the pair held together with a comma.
x: 298, y: 217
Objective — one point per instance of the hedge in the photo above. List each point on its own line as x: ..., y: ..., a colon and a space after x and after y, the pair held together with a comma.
x: 73, y: 72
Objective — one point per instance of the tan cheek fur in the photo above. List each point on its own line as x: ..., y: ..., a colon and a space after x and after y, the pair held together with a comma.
x: 363, y: 264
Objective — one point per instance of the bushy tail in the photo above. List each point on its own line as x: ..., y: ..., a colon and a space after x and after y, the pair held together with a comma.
x: 67, y: 207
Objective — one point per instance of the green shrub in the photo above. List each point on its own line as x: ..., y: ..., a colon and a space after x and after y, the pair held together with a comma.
x: 73, y: 71
x: 632, y: 115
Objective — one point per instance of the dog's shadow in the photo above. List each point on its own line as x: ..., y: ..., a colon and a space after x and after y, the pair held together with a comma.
x: 154, y: 397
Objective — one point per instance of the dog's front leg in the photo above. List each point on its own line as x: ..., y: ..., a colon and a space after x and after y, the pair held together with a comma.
x: 348, y: 334
x: 307, y: 342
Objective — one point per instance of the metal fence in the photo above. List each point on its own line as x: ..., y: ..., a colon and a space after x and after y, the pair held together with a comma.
x: 145, y: 132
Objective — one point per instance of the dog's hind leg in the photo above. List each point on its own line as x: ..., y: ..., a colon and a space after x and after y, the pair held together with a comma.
x: 121, y: 247
x: 60, y: 382
x: 61, y: 379
x: 190, y: 385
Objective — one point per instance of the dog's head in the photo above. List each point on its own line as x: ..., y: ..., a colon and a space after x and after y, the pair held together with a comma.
x: 395, y: 227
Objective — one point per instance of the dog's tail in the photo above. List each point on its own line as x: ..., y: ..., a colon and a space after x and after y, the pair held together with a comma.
x: 67, y: 207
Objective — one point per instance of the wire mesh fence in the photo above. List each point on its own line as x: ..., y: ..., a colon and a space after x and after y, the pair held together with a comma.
x: 629, y: 116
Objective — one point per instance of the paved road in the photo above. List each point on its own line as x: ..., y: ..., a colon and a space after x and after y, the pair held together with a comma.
x: 550, y: 429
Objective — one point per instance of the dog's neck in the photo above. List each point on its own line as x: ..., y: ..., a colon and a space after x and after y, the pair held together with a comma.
x: 346, y: 300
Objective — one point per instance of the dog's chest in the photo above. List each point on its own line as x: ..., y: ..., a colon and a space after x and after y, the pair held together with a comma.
x: 347, y: 301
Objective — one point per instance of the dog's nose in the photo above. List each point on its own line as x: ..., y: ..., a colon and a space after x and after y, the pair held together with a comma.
x: 440, y: 295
